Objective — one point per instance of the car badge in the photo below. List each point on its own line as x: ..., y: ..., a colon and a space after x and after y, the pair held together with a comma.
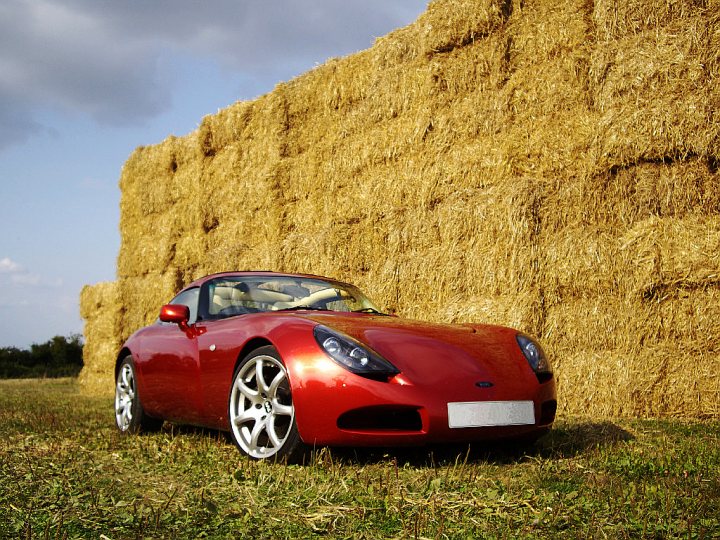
x: 484, y: 384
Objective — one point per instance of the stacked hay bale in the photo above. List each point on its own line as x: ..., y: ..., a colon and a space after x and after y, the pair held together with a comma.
x: 101, y: 309
x: 550, y: 166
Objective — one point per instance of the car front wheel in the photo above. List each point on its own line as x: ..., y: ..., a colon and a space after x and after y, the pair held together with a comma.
x: 261, y: 411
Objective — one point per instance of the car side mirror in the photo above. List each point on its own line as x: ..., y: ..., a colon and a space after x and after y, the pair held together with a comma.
x: 175, y: 313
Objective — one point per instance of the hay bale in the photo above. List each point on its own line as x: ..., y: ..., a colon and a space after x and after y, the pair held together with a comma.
x: 674, y: 254
x: 646, y: 382
x: 146, y: 294
x: 655, y: 75
x: 100, y: 307
x: 690, y: 318
x: 609, y: 322
x: 457, y: 23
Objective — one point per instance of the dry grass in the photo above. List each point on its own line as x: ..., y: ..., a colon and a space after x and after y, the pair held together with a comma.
x: 66, y: 472
x: 551, y: 166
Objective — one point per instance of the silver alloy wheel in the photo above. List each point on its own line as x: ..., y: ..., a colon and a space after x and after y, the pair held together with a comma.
x: 261, y: 409
x: 124, y: 397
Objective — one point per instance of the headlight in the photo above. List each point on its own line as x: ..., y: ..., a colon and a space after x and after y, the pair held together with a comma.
x: 532, y: 350
x: 351, y: 355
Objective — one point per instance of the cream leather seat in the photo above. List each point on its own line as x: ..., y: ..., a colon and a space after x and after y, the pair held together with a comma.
x: 222, y: 298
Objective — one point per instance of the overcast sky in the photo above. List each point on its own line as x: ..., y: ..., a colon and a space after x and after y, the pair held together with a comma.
x: 84, y: 82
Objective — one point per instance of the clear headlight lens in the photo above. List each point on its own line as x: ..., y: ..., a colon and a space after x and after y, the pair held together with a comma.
x: 532, y: 350
x: 351, y: 355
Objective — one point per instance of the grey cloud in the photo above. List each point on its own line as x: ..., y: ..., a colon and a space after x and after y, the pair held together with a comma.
x: 253, y: 33
x: 103, y: 58
x: 56, y: 57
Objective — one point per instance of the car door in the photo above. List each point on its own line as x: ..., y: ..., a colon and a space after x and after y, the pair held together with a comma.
x: 170, y: 366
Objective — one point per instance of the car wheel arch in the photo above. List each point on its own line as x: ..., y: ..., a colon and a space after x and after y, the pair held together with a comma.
x: 125, y: 352
x: 251, y: 345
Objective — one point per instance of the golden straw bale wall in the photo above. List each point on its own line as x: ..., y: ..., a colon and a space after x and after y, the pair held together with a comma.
x: 547, y: 165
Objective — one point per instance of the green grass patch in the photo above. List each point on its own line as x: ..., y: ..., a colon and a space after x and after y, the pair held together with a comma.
x: 65, y: 472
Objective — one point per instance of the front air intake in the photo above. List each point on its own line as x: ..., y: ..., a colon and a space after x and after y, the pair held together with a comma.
x: 381, y: 418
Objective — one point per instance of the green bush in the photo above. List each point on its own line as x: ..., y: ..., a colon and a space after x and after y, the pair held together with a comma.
x: 57, y: 357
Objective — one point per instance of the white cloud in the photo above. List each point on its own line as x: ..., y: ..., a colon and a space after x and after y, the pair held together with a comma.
x: 8, y: 266
x: 13, y: 274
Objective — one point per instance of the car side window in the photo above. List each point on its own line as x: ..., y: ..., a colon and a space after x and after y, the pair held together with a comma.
x: 189, y: 298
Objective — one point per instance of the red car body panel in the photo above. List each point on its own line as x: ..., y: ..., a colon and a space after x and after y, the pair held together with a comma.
x: 185, y: 374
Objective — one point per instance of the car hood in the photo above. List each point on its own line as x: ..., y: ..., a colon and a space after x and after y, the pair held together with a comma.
x: 434, y: 352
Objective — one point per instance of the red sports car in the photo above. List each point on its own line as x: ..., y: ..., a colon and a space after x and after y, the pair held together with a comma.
x: 286, y: 362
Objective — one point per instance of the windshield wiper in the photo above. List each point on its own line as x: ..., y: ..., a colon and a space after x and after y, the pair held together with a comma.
x: 295, y: 308
x: 369, y: 310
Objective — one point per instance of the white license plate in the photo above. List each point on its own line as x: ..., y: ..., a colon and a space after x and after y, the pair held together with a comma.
x: 490, y: 413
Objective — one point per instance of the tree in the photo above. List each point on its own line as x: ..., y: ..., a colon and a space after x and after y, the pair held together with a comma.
x: 58, y: 357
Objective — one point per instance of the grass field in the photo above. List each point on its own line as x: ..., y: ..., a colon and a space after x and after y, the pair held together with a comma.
x: 66, y: 473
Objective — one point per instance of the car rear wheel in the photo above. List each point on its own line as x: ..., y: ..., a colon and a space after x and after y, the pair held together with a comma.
x: 129, y: 414
x: 261, y: 411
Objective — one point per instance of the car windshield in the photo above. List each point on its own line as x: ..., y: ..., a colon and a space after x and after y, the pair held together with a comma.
x: 237, y: 295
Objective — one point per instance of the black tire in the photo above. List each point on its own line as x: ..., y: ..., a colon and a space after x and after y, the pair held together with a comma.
x: 260, y: 409
x: 129, y: 414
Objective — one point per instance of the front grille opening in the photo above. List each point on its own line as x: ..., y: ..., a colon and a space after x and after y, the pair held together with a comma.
x: 547, y: 412
x: 381, y: 418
